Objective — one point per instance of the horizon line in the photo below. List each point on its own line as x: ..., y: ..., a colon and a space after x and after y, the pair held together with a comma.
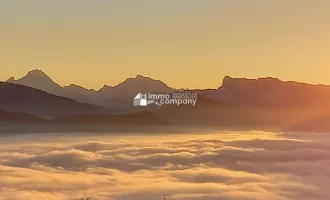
x: 148, y: 77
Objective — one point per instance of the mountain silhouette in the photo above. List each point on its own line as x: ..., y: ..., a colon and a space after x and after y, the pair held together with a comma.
x: 14, y: 117
x: 266, y: 103
x: 270, y: 92
x: 136, y: 118
x: 209, y: 112
x: 237, y: 115
x: 80, y: 94
x: 19, y: 98
x: 205, y: 112
x: 262, y: 92
x: 15, y: 122
x: 122, y: 94
x: 39, y: 80
x: 119, y: 96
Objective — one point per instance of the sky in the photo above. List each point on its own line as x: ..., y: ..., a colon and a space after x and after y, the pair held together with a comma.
x: 185, y: 43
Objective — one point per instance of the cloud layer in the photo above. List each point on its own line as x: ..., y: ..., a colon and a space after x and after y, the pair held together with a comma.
x: 226, y: 165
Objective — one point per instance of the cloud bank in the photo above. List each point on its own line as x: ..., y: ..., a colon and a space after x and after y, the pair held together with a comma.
x: 227, y: 165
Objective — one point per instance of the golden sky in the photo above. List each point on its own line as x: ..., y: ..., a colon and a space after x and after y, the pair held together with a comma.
x: 185, y: 43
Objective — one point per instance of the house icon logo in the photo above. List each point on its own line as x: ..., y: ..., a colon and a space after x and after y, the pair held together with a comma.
x: 142, y: 100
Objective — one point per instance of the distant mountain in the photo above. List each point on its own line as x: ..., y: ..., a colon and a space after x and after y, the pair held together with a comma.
x: 39, y: 80
x: 273, y: 102
x: 136, y: 118
x: 14, y: 122
x: 236, y: 115
x: 119, y: 97
x: 80, y: 94
x: 238, y: 102
x: 122, y: 95
x: 19, y: 98
x: 12, y: 117
x: 262, y: 92
x: 270, y: 92
x: 205, y: 112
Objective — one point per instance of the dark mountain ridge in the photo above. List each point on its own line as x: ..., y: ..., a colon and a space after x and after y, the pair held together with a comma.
x: 15, y: 117
x: 135, y: 118
x: 39, y: 80
x: 19, y: 98
x: 264, y: 102
x: 118, y: 96
x: 11, y: 122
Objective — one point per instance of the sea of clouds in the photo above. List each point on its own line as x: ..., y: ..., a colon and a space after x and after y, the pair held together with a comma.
x: 249, y: 165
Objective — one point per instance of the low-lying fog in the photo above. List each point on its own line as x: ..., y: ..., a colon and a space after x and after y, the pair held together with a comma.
x: 214, y: 166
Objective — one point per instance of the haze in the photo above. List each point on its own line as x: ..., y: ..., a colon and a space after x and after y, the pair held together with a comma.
x: 92, y: 43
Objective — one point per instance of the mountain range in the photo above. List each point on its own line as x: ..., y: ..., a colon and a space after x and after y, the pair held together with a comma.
x: 264, y: 103
x: 118, y: 97
x: 19, y: 122
x: 20, y: 98
x: 254, y: 92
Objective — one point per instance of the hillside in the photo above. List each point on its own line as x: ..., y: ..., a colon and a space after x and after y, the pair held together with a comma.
x: 19, y: 98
